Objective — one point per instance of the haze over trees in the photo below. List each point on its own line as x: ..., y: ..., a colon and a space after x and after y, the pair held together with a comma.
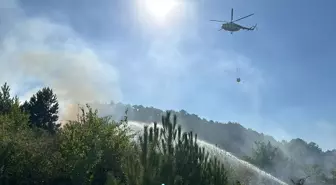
x: 34, y: 149
x: 282, y: 159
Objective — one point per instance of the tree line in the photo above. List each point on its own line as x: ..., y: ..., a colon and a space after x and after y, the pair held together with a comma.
x: 273, y: 160
x: 283, y: 159
x: 35, y: 149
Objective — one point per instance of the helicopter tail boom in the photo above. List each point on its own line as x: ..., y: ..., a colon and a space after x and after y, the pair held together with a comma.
x: 251, y: 28
x: 248, y: 28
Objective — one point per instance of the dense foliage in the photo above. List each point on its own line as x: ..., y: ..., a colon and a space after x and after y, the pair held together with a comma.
x: 96, y: 150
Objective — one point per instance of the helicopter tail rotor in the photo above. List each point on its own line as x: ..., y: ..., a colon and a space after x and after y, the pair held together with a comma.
x: 254, y: 27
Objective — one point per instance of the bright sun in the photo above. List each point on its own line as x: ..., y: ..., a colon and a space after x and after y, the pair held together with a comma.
x: 159, y: 9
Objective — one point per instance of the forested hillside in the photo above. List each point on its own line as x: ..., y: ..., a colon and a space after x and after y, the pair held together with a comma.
x: 36, y: 149
x: 282, y: 158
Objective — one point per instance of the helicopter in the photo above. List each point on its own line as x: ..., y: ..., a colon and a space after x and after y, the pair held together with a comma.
x: 232, y: 26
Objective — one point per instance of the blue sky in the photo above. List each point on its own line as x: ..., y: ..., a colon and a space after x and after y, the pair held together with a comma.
x: 118, y: 51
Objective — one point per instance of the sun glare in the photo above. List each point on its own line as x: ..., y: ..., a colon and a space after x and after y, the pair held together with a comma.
x: 159, y: 9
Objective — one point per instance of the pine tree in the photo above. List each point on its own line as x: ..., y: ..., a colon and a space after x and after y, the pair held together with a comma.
x: 173, y: 157
x: 6, y: 102
x: 43, y: 109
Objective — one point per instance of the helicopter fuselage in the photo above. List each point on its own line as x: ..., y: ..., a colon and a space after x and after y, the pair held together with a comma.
x: 231, y: 27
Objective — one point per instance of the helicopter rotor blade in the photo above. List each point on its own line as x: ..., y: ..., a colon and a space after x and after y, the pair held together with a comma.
x: 243, y: 17
x: 231, y: 14
x: 218, y: 21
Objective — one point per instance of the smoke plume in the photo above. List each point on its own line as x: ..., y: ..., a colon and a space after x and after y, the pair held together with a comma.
x: 36, y: 52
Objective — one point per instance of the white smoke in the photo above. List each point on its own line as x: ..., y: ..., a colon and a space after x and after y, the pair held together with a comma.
x: 36, y: 50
